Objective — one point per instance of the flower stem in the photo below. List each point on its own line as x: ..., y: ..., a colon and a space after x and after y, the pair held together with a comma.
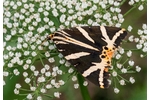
x: 84, y: 90
x: 129, y: 10
x: 122, y: 2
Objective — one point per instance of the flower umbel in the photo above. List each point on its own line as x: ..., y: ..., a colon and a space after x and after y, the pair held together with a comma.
x: 37, y: 65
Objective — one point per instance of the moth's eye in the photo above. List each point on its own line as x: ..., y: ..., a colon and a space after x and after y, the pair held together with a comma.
x: 105, y: 48
x: 50, y: 36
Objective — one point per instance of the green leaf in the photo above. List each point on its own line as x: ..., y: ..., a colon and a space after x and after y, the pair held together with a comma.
x: 84, y: 90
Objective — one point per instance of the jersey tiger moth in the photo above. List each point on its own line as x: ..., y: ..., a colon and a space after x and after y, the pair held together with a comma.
x: 90, y: 49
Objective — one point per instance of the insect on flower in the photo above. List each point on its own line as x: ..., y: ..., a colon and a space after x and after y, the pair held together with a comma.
x: 90, y: 49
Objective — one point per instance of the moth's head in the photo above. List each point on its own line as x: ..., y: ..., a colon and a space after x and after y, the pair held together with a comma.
x: 50, y: 37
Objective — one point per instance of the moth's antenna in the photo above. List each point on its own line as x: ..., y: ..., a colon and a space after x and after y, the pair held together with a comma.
x: 49, y: 37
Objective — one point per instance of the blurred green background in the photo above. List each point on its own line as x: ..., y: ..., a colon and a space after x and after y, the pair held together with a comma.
x: 136, y: 91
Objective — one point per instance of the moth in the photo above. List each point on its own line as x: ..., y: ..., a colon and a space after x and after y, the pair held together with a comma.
x: 90, y: 49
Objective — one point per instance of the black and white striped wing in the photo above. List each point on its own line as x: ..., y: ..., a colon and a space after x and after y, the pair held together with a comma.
x: 90, y: 49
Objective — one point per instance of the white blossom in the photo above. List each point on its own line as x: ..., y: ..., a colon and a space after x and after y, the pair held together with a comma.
x: 118, y: 56
x: 61, y: 82
x: 67, y: 64
x: 28, y: 61
x: 29, y: 96
x: 48, y: 86
x: 51, y: 60
x: 138, y: 46
x: 43, y: 70
x: 141, y: 55
x: 132, y: 80
x: 144, y: 49
x: 62, y: 61
x: 16, y: 91
x: 39, y: 98
x: 41, y: 79
x: 10, y: 65
x: 119, y: 65
x: 122, y: 82
x: 16, y: 72
x: 130, y: 28
x: 116, y: 90
x: 57, y: 94
x: 85, y: 83
x: 33, y: 53
x: 32, y: 88
x: 121, y: 50
x: 141, y: 7
x: 59, y: 72
x: 136, y: 40
x: 8, y: 37
x: 124, y: 70
x: 62, y: 18
x: 70, y: 70
x: 25, y: 74
x: 32, y: 46
x: 114, y: 73
x: 5, y: 73
x: 43, y: 90
x: 144, y: 26
x: 129, y: 53
x: 36, y: 73
x: 48, y: 74
x: 131, y: 38
x: 55, y: 68
x: 131, y: 63
x: 47, y: 67
x: 138, y: 69
x: 27, y: 80
x: 76, y: 86
x: 18, y: 86
x: 140, y: 32
x: 131, y: 2
x: 74, y: 78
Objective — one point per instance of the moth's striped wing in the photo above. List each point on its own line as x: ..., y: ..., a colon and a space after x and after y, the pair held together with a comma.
x: 90, y: 49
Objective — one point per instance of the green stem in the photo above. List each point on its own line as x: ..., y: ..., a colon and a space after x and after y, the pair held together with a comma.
x: 84, y: 90
x: 129, y: 11
x: 48, y: 95
x: 122, y: 2
x: 25, y: 90
x: 41, y: 60
x: 125, y: 61
x: 122, y: 78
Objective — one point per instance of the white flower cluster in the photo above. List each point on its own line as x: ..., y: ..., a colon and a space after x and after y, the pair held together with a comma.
x: 127, y: 65
x: 25, y: 28
x: 79, y: 13
x: 141, y: 40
